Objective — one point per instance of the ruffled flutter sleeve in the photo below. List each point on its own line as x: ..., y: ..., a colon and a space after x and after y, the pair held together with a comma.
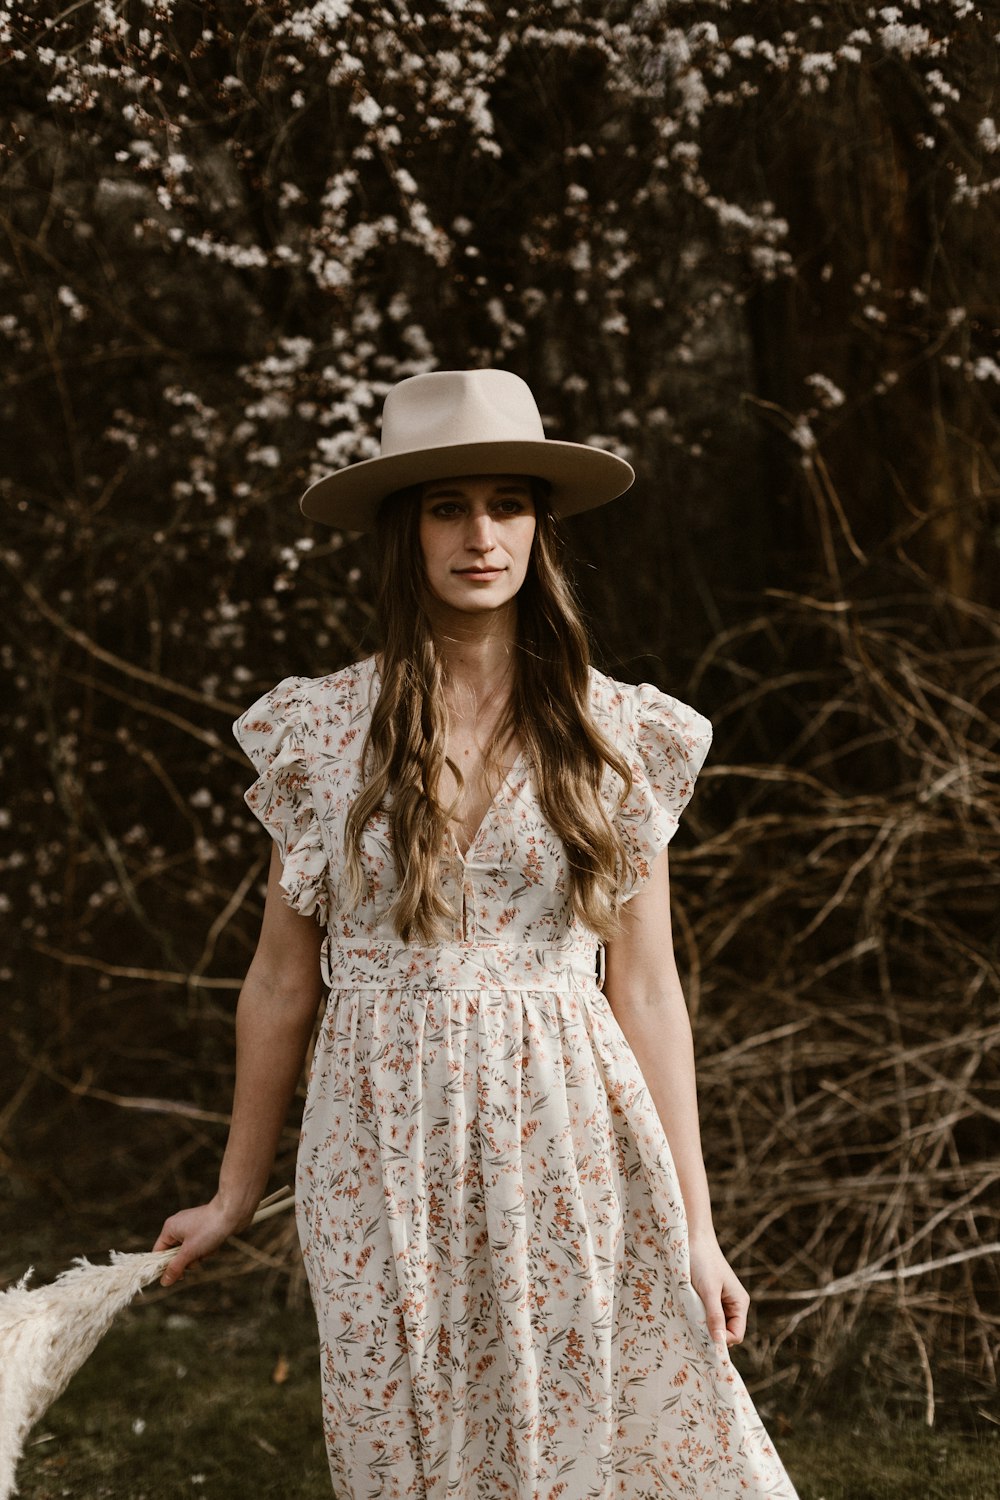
x: 666, y: 742
x: 271, y: 733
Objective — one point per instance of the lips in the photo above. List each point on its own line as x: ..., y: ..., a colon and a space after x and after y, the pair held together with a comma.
x: 477, y: 572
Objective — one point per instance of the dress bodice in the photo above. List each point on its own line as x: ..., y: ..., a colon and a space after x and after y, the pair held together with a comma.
x: 306, y: 735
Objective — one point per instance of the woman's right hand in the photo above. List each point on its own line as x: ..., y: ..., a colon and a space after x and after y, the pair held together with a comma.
x: 198, y: 1232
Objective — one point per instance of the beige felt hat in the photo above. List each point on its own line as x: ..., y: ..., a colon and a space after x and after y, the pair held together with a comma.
x: 463, y: 422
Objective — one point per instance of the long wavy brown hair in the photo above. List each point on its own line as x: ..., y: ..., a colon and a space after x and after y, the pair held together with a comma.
x: 549, y: 709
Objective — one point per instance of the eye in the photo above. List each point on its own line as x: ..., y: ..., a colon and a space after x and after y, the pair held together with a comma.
x: 511, y: 507
x: 445, y: 508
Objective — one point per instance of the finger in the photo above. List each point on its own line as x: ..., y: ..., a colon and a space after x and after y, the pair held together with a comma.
x: 174, y: 1270
x: 720, y: 1335
x: 716, y: 1318
x: 736, y: 1327
x: 736, y: 1306
x: 171, y: 1232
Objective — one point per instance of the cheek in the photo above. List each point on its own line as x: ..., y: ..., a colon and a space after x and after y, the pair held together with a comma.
x: 425, y: 537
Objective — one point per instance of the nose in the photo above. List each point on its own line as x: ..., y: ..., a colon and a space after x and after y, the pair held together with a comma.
x: 479, y: 533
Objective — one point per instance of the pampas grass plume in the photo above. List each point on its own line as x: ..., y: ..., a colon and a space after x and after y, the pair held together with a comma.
x: 47, y: 1332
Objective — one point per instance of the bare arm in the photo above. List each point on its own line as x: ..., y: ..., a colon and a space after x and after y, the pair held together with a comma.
x: 644, y: 991
x: 274, y: 1021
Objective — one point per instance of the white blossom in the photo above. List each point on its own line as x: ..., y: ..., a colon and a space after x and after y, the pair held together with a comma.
x: 268, y: 457
x: 906, y: 40
x: 828, y: 394
x: 986, y: 134
x: 367, y: 110
x: 69, y: 299
x: 984, y: 368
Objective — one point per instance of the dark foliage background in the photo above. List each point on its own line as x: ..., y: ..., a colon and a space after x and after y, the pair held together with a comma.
x: 748, y: 245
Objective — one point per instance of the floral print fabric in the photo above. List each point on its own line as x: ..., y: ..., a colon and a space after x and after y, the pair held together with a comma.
x: 487, y: 1205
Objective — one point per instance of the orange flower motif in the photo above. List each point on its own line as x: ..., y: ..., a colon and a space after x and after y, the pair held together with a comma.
x: 575, y: 1349
x: 436, y: 1216
x: 563, y: 1218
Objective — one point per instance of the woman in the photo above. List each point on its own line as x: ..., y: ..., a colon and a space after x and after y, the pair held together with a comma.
x: 518, y: 1285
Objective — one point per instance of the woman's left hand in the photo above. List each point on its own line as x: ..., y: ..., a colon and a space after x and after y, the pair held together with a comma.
x: 724, y: 1296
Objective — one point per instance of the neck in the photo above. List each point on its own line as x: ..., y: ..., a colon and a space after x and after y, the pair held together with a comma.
x: 476, y: 651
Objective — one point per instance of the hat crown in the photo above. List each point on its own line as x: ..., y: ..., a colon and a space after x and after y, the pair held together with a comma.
x: 448, y: 407
x: 449, y: 423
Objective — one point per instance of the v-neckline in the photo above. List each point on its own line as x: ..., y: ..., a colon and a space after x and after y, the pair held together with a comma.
x: 494, y: 802
x: 487, y: 817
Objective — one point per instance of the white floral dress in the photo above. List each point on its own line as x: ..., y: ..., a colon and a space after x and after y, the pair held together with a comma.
x: 488, y: 1210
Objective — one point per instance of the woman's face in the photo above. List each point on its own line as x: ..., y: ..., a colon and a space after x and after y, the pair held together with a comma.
x: 476, y: 534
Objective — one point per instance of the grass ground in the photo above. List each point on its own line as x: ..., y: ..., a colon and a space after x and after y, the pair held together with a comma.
x: 224, y: 1405
x: 203, y: 1406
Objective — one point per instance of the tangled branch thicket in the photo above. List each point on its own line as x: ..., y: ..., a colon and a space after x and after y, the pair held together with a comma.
x: 842, y: 918
x: 742, y: 245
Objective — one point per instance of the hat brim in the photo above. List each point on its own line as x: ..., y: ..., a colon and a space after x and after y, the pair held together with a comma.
x: 581, y: 477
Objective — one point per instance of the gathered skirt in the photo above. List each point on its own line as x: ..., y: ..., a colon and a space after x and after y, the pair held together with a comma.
x: 496, y: 1246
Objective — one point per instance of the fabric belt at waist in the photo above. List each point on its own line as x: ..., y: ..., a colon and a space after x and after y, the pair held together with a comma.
x: 460, y: 965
